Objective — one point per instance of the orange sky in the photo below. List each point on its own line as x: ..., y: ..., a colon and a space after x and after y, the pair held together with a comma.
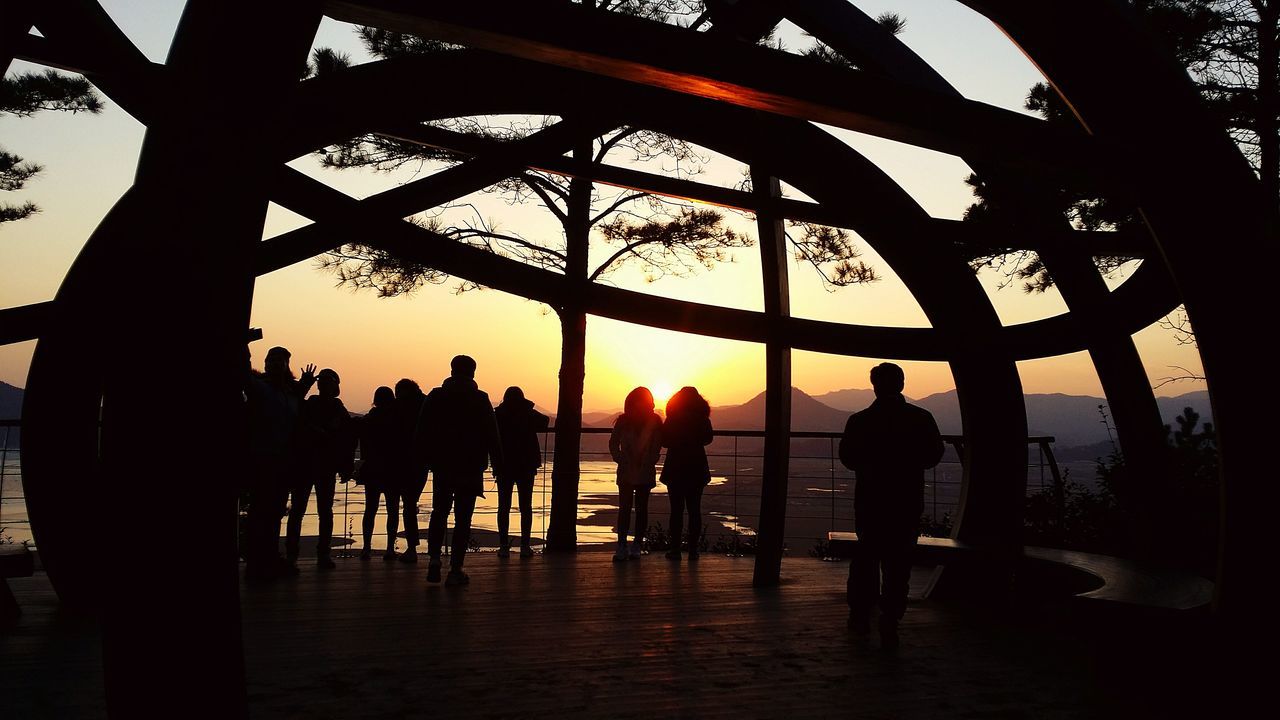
x: 89, y: 163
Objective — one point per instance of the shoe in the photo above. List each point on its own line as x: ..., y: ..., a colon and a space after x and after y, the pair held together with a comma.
x: 433, y: 570
x: 409, y: 556
x: 365, y: 554
x: 620, y: 555
x: 286, y: 567
x: 635, y: 551
x: 389, y: 555
x: 324, y: 562
x: 672, y: 555
x: 504, y: 551
x: 888, y: 633
x: 693, y: 554
x: 859, y: 623
x: 456, y: 577
x: 526, y: 551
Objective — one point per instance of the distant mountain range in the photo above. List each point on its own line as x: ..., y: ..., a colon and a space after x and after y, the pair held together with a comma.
x: 1073, y: 420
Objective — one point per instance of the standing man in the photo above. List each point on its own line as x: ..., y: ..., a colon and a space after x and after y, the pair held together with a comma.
x: 889, y: 446
x: 326, y: 445
x: 273, y: 401
x: 457, y: 438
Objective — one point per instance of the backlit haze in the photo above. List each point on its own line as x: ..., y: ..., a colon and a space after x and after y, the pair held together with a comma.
x: 89, y: 162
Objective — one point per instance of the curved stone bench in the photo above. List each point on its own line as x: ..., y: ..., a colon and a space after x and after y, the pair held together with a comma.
x: 1092, y: 578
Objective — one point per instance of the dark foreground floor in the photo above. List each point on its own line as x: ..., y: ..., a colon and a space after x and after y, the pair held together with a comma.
x: 550, y: 637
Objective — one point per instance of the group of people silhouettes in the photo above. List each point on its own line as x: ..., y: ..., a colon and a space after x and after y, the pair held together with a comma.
x: 300, y: 446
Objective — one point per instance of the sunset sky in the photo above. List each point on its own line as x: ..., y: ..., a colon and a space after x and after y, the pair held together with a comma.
x: 89, y: 162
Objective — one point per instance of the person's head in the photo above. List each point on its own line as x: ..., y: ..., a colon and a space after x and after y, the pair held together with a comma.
x: 327, y: 383
x: 687, y: 401
x: 383, y: 397
x: 639, y: 403
x: 276, y: 364
x: 462, y: 366
x: 887, y: 379
x: 407, y: 388
x: 513, y: 395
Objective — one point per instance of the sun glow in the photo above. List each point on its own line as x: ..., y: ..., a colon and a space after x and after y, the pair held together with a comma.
x: 621, y: 356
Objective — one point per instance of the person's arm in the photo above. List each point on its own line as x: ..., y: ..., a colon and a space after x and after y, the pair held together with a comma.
x: 540, y: 422
x: 347, y: 439
x: 304, y: 383
x: 655, y: 444
x: 615, y: 443
x: 849, y: 450
x: 492, y: 435
x: 931, y: 446
x: 707, y: 433
x: 420, y: 442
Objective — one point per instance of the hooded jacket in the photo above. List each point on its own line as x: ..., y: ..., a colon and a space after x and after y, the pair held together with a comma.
x: 457, y: 434
x: 518, y: 428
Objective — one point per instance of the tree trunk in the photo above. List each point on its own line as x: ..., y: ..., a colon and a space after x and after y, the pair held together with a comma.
x: 562, y: 533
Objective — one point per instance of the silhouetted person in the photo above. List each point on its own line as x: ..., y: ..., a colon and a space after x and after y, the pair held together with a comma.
x: 457, y: 437
x: 380, y: 469
x: 411, y: 474
x: 889, y: 446
x: 635, y: 443
x: 326, y: 445
x: 273, y: 399
x: 518, y: 427
x: 685, y: 471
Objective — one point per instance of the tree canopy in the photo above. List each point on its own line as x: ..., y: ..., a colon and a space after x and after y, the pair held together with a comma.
x: 24, y: 95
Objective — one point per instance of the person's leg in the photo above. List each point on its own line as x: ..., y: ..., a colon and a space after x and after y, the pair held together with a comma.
x: 642, y: 513
x: 626, y: 496
x: 464, y: 504
x: 441, y: 504
x: 372, y: 498
x: 693, y: 502
x: 299, y: 497
x: 325, y: 486
x: 504, y: 512
x: 262, y: 550
x: 525, y: 486
x: 676, y: 498
x: 392, y: 498
x: 896, y: 566
x: 410, y: 495
x: 864, y: 581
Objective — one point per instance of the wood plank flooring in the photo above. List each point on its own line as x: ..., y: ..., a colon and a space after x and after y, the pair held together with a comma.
x: 555, y: 636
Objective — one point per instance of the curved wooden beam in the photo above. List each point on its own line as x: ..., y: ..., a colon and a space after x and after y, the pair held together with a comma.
x: 719, y: 68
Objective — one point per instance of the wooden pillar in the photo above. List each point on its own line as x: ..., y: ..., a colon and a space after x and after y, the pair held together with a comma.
x: 173, y: 261
x: 777, y: 420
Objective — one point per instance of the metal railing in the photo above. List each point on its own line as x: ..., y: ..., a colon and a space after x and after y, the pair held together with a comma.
x: 819, y: 491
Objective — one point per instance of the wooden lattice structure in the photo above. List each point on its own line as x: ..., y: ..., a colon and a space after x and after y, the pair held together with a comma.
x: 231, y: 85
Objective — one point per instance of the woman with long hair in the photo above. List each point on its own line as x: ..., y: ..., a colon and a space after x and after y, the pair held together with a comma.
x: 635, y: 443
x: 686, y: 473
x: 519, y: 425
x: 378, y: 471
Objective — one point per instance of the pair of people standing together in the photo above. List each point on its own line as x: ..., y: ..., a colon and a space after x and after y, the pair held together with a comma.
x: 638, y: 437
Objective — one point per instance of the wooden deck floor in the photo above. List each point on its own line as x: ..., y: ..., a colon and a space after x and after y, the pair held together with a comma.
x: 551, y: 637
